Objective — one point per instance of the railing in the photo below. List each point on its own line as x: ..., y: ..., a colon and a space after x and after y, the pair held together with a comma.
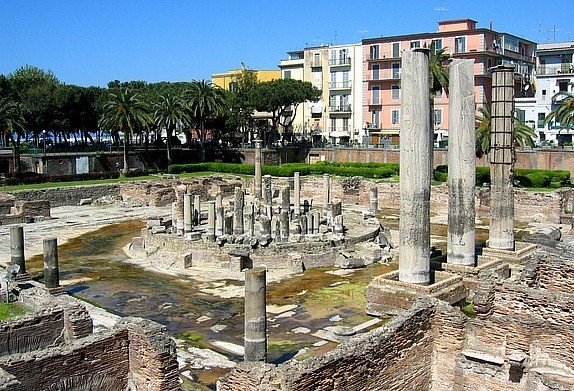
x: 339, y: 129
x: 555, y: 69
x: 340, y: 61
x: 340, y: 108
x: 340, y: 84
x: 384, y: 74
x: 316, y: 64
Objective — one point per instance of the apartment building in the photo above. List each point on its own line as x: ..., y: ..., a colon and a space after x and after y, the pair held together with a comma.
x: 461, y: 39
x: 225, y: 80
x: 337, y: 71
x: 552, y: 81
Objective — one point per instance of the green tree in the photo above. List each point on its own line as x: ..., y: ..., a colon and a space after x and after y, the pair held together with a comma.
x: 564, y: 113
x: 240, y: 101
x: 33, y: 88
x: 524, y: 135
x: 281, y: 98
x: 205, y: 101
x: 169, y: 113
x: 12, y: 122
x: 125, y: 112
x: 438, y: 76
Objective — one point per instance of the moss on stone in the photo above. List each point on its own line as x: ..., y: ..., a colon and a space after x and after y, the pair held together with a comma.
x: 12, y: 310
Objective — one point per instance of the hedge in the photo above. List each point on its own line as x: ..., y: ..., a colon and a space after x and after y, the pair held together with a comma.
x: 367, y: 170
x: 33, y: 178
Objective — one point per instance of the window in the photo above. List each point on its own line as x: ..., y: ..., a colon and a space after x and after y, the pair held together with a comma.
x: 395, y: 117
x: 438, y: 116
x: 375, y: 118
x: 375, y: 70
x: 437, y: 43
x: 345, y: 125
x: 316, y: 59
x: 333, y: 124
x: 541, y: 118
x: 346, y: 79
x: 374, y: 52
x: 333, y: 79
x: 415, y: 44
x: 396, y: 50
x: 563, y: 85
x: 287, y: 75
x: 344, y: 102
x: 543, y: 95
x: 396, y: 70
x: 460, y: 45
x: 395, y: 91
x: 376, y: 91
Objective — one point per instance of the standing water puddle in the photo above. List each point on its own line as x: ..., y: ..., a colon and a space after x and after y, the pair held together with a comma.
x: 93, y: 264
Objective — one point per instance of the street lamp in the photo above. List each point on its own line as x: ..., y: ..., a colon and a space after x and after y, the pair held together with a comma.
x: 45, y: 165
x: 44, y: 133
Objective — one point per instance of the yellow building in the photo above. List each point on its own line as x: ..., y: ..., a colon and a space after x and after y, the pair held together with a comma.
x: 225, y: 79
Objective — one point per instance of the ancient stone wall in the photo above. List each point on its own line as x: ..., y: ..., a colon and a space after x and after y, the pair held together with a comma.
x: 394, y: 357
x: 59, y: 196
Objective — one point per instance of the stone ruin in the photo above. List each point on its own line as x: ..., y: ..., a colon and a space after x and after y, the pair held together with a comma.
x: 53, y: 347
x: 13, y: 211
x: 242, y: 230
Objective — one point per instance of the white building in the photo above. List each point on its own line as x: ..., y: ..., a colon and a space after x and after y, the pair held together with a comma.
x: 554, y: 75
x: 337, y: 71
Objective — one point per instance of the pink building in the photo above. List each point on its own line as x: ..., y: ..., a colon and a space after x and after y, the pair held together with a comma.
x: 461, y: 39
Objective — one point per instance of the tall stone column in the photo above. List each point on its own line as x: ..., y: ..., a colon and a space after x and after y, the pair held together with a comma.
x: 297, y: 193
x: 258, y: 156
x: 326, y: 192
x: 249, y: 219
x: 285, y: 200
x: 374, y: 199
x: 228, y: 224
x: 219, y: 215
x: 255, y: 339
x: 180, y: 192
x: 196, y: 209
x: 267, y: 190
x: 284, y: 218
x: 501, y: 229
x: 210, y: 233
x: 174, y: 217
x: 239, y: 198
x: 17, y: 248
x: 187, y: 213
x: 461, y: 164
x: 51, y: 269
x: 415, y: 170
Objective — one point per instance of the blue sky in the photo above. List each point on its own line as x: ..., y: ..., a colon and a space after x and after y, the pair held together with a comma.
x: 90, y: 42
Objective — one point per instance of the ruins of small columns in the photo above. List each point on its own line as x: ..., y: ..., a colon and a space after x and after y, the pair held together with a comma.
x: 239, y: 198
x: 258, y: 179
x: 373, y: 200
x: 255, y: 339
x: 415, y: 170
x: 501, y: 229
x: 461, y: 164
x: 187, y: 213
x: 17, y: 248
x: 51, y: 268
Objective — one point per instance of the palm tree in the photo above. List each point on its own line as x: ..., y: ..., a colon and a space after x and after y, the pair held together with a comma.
x: 170, y: 112
x: 12, y: 121
x: 564, y: 114
x: 438, y: 76
x: 124, y: 112
x: 524, y: 135
x: 205, y: 101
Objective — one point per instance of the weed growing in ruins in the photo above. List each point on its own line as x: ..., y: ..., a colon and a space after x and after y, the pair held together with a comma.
x: 12, y: 310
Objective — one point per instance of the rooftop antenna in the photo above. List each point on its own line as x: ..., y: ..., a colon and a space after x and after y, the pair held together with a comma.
x: 441, y: 8
x: 554, y: 29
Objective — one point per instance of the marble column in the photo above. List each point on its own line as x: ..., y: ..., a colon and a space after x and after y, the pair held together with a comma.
x: 180, y: 192
x: 196, y: 210
x: 265, y: 226
x: 257, y: 179
x: 210, y: 233
x: 285, y: 200
x: 255, y: 339
x: 228, y: 224
x: 374, y: 199
x: 415, y: 169
x: 297, y: 193
x: 219, y: 215
x: 501, y: 229
x: 51, y: 269
x: 174, y: 217
x: 284, y: 218
x: 326, y: 192
x: 267, y: 190
x: 239, y: 197
x: 17, y: 248
x: 461, y: 164
x: 187, y: 213
x: 249, y: 219
x: 303, y: 223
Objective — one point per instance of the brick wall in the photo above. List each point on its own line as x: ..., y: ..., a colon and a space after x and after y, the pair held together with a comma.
x: 394, y: 357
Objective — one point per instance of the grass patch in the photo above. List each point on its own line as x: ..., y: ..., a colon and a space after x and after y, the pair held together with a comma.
x: 12, y: 310
x: 319, y: 303
x: 192, y: 339
x: 467, y: 308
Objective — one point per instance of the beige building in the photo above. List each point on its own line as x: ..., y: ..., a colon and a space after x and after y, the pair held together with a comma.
x: 337, y: 71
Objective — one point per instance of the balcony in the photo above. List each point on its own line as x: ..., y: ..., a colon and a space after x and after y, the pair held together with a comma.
x: 339, y: 131
x: 344, y: 109
x: 557, y: 69
x: 340, y: 85
x: 383, y: 74
x: 316, y: 64
x: 340, y: 61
